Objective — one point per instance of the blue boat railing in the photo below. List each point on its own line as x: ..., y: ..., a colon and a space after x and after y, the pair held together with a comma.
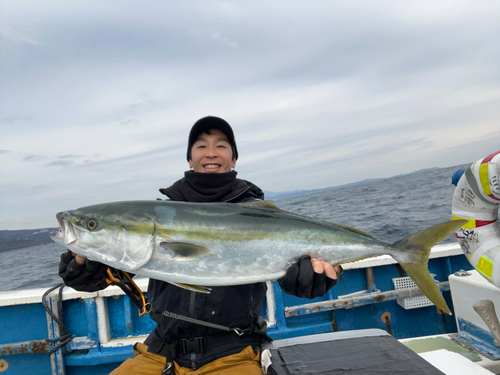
x: 105, y: 325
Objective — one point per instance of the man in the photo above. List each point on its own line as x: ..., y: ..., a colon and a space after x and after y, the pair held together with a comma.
x: 183, y: 346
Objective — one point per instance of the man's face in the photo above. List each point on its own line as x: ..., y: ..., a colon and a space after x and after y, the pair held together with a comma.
x: 211, y: 153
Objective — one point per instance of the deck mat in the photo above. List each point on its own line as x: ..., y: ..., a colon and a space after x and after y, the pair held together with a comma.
x: 363, y: 355
x: 435, y: 343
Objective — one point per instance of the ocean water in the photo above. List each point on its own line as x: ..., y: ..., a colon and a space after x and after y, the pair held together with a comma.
x: 389, y: 209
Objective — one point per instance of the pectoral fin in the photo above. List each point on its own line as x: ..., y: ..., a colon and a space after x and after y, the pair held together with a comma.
x: 181, y: 250
x: 193, y: 288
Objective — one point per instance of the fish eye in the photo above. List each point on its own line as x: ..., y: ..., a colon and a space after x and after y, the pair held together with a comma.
x: 92, y: 224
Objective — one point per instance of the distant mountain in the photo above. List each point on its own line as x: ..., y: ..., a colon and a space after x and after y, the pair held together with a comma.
x: 271, y: 195
x: 18, y: 239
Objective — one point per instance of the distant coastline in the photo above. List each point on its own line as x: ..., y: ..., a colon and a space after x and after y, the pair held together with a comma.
x: 271, y: 195
x: 19, y: 239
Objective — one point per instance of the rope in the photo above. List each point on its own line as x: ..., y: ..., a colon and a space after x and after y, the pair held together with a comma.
x: 64, y: 337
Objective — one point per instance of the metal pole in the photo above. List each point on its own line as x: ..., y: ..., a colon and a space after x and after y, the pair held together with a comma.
x: 366, y: 299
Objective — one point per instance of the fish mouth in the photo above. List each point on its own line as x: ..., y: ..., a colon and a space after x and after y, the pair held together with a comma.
x: 68, y: 234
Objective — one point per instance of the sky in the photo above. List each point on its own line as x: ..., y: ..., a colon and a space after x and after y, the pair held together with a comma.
x: 97, y: 97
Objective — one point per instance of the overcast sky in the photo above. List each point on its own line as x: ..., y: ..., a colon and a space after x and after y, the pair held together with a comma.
x: 97, y: 98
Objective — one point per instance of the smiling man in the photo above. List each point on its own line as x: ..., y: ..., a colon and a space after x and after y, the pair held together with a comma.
x: 190, y: 348
x: 211, y: 153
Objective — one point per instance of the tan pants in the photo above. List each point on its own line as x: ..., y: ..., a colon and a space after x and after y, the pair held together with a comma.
x: 246, y: 362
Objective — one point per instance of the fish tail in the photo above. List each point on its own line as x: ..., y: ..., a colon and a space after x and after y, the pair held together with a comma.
x: 413, y: 256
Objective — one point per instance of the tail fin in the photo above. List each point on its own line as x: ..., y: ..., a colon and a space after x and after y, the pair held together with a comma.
x: 413, y: 256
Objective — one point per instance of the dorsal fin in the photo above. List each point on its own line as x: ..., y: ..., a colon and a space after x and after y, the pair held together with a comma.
x: 269, y: 205
x: 263, y: 205
x: 356, y: 231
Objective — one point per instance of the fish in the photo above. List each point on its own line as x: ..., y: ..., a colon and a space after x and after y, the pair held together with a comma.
x: 200, y: 245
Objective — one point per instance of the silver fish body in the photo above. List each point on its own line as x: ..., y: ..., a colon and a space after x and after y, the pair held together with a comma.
x: 214, y: 244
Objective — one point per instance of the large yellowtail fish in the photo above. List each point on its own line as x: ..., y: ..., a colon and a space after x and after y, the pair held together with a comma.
x: 212, y: 244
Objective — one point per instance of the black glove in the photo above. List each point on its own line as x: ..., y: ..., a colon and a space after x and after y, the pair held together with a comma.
x: 301, y: 280
x: 88, y: 277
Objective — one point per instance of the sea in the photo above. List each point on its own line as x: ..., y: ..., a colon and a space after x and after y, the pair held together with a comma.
x: 389, y: 209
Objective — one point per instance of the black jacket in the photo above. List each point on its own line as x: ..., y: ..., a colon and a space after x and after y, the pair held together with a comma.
x: 231, y: 306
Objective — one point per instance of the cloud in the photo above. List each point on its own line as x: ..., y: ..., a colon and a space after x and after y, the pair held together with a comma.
x: 34, y: 157
x: 131, y: 121
x: 60, y: 163
x: 69, y: 156
x: 12, y: 34
x: 14, y: 119
x: 214, y: 35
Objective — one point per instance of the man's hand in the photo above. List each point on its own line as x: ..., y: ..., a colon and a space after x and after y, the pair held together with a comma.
x: 79, y: 259
x: 82, y: 274
x: 310, y: 278
x: 332, y: 272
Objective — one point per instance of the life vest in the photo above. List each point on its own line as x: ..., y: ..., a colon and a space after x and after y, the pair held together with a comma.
x: 477, y: 199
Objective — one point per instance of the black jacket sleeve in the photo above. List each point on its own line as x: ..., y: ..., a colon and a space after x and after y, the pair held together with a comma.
x: 301, y: 280
x: 88, y: 277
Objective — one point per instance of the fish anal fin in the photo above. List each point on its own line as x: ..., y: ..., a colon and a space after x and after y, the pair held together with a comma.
x: 424, y: 280
x: 183, y: 250
x: 193, y: 288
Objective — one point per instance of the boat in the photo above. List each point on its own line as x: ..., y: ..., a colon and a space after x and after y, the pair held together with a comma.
x: 373, y: 299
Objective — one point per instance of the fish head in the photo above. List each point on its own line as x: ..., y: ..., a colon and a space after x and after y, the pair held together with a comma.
x: 81, y: 233
x: 103, y: 235
x: 68, y: 233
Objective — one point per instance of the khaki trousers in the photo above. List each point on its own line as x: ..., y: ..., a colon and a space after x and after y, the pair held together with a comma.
x: 246, y: 362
